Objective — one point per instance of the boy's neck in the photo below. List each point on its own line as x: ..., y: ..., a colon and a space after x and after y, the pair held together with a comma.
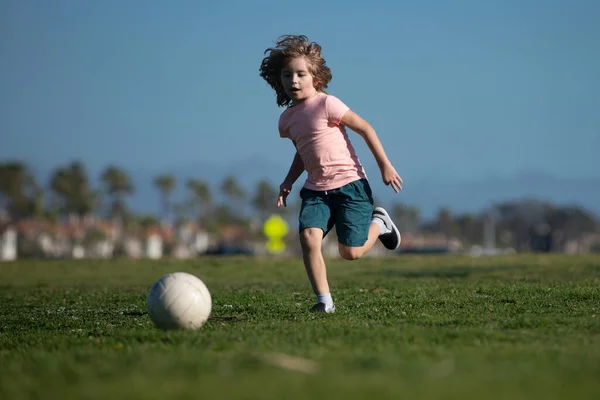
x: 315, y: 94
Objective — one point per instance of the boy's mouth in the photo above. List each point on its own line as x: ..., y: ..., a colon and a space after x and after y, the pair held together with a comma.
x: 293, y: 90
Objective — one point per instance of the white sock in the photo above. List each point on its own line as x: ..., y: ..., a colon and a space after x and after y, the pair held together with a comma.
x: 382, y: 228
x: 325, y: 299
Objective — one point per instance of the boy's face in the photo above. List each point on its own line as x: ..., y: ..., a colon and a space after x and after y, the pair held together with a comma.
x: 297, y: 80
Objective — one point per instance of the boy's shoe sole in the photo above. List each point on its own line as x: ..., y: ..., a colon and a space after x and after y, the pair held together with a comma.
x: 390, y: 240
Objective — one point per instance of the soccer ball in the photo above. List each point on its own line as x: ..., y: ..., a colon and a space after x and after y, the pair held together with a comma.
x: 179, y: 301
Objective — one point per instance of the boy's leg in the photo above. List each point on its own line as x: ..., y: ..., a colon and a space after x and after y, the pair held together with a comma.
x: 355, y: 252
x: 311, y: 240
x: 358, y: 225
x: 315, y: 219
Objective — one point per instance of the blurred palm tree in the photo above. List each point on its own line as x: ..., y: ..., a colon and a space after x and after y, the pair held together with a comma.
x: 20, y: 195
x: 406, y: 217
x: 201, y: 197
x: 71, y: 190
x: 165, y: 185
x: 117, y: 185
x: 445, y: 223
x: 265, y: 199
x: 235, y: 194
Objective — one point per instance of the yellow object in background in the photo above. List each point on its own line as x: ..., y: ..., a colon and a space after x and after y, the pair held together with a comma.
x: 275, y: 246
x: 275, y: 228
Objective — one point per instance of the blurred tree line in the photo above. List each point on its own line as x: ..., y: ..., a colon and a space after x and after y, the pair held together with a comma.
x: 70, y: 192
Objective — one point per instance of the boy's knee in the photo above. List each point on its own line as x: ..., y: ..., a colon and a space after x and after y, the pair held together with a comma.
x: 311, y: 236
x: 350, y: 253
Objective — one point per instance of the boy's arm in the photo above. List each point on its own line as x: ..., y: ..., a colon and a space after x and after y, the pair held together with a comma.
x: 364, y: 129
x: 296, y: 169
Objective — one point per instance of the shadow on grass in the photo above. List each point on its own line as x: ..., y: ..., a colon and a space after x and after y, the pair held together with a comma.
x: 449, y: 272
x: 225, y: 319
x: 134, y: 313
x: 211, y: 318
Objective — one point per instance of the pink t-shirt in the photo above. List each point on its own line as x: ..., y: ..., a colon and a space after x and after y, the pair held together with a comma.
x: 322, y: 142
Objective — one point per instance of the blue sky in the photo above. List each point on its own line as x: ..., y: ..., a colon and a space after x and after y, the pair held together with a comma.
x: 455, y: 89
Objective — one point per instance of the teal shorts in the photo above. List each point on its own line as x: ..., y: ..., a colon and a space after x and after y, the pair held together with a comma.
x: 349, y: 209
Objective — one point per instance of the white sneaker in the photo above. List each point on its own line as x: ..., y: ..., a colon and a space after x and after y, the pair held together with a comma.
x: 390, y: 239
x: 321, y: 307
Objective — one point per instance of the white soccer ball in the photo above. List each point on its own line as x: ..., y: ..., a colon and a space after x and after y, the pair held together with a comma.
x: 179, y: 301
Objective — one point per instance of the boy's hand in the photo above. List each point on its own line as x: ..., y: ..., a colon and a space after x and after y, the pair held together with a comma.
x: 391, y: 177
x: 284, y: 191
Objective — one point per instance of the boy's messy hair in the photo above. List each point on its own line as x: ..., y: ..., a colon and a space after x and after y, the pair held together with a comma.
x: 289, y: 47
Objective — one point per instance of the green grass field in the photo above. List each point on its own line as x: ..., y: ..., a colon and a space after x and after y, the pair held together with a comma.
x: 414, y: 327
